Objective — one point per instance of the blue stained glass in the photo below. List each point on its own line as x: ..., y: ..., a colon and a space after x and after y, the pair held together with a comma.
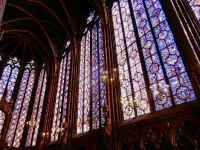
x: 91, y: 87
x: 4, y: 79
x: 158, y: 47
x: 164, y: 35
x: 129, y: 58
x: 9, y: 77
x: 165, y: 41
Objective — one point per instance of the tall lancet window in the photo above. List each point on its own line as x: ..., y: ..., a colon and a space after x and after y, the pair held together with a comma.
x: 9, y: 77
x: 150, y: 65
x: 92, y: 90
x: 60, y: 110
x: 37, y: 109
x: 195, y: 5
x: 2, y: 119
x: 20, y: 110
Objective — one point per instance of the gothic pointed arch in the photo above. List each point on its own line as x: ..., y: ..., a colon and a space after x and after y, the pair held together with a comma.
x: 60, y: 109
x: 21, y: 106
x: 9, y: 77
x: 37, y: 109
x: 92, y: 88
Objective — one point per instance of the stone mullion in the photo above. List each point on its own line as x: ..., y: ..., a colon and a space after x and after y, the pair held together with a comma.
x: 23, y: 100
x: 71, y: 95
x: 52, y: 105
x: 111, y: 64
x: 69, y: 116
x: 38, y: 107
x: 30, y: 109
x: 142, y: 61
x: 48, y: 108
x: 110, y: 61
x: 186, y: 50
x: 44, y: 108
x: 16, y: 89
x: 73, y: 91
x: 193, y: 33
x: 18, y: 82
x: 193, y: 17
x: 119, y: 111
x: 76, y: 86
x: 13, y: 98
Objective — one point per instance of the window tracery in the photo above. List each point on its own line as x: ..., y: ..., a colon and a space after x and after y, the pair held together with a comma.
x: 9, y: 77
x: 37, y: 109
x: 92, y: 89
x: 20, y: 110
x: 154, y: 60
x: 60, y: 110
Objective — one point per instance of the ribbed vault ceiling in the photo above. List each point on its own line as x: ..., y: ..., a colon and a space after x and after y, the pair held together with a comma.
x: 40, y: 28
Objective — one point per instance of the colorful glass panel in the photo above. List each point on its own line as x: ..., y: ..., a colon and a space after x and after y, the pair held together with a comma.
x: 17, y: 122
x: 9, y: 77
x: 133, y: 88
x: 92, y: 90
x: 159, y: 51
x: 37, y: 109
x: 60, y: 109
x: 179, y: 82
x: 2, y: 119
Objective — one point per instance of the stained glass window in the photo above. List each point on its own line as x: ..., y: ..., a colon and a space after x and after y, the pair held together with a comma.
x: 195, y: 5
x: 20, y: 110
x: 37, y: 109
x: 150, y: 65
x: 92, y: 90
x: 2, y: 119
x: 9, y: 77
x: 60, y: 110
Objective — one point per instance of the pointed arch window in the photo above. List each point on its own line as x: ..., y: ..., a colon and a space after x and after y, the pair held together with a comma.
x: 9, y: 77
x: 92, y: 89
x: 20, y: 110
x: 2, y: 119
x: 37, y: 109
x: 60, y: 110
x: 149, y: 62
